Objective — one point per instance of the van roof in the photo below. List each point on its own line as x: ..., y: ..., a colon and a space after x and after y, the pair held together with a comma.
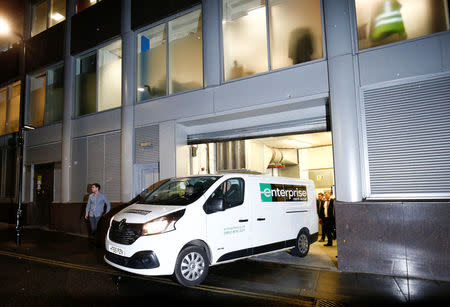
x: 255, y: 176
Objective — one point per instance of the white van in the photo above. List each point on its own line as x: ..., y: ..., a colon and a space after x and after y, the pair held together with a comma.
x: 188, y: 224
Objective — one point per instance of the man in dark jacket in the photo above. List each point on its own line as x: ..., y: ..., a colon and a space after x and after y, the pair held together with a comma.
x: 326, y: 213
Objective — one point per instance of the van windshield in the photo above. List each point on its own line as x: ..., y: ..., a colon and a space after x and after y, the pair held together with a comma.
x: 180, y: 191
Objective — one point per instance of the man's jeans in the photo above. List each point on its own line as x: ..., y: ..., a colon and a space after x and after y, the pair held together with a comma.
x: 93, y: 220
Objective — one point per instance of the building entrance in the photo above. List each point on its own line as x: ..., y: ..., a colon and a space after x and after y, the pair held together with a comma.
x: 43, y: 192
x: 303, y: 156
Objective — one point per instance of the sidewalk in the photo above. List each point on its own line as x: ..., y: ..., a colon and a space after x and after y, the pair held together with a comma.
x: 320, y: 278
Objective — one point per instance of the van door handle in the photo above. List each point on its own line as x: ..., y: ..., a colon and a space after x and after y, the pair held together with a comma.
x: 243, y: 221
x: 261, y: 219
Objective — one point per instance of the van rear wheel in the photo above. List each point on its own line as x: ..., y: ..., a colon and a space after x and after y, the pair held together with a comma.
x: 192, y: 266
x: 302, y: 244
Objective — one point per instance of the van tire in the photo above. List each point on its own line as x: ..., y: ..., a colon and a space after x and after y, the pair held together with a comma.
x: 191, y: 267
x: 302, y: 244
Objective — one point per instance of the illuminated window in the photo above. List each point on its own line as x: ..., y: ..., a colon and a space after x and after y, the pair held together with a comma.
x: 9, y: 108
x: 382, y: 22
x: 84, y: 4
x: 293, y: 29
x: 98, y: 84
x: 165, y: 69
x: 46, y: 14
x: 46, y: 97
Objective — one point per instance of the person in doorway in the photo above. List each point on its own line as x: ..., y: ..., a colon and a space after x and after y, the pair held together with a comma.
x: 95, y: 207
x: 327, y: 215
x: 319, y: 204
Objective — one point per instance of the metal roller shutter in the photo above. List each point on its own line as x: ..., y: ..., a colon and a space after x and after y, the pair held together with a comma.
x: 408, y: 139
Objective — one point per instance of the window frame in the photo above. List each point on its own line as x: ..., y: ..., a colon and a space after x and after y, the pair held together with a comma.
x: 166, y: 22
x: 269, y: 60
x: 355, y: 40
x: 36, y: 74
x: 87, y: 53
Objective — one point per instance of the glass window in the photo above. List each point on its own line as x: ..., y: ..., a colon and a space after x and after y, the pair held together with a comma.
x: 46, y: 97
x: 152, y: 63
x: 295, y: 32
x: 86, y: 84
x: 98, y: 82
x: 46, y: 14
x: 84, y: 4
x: 156, y: 77
x: 13, y: 109
x: 385, y: 21
x: 39, y: 18
x: 3, y: 102
x: 37, y: 101
x: 110, y: 76
x: 57, y: 11
x: 185, y: 53
x: 244, y: 38
x: 230, y: 191
x: 54, y: 102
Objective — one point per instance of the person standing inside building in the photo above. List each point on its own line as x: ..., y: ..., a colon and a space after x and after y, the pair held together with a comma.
x: 95, y: 207
x: 319, y: 204
x: 327, y: 214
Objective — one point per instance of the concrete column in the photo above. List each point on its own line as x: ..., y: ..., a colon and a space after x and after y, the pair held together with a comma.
x: 128, y: 98
x: 69, y: 94
x: 167, y: 149
x: 343, y: 100
x: 211, y: 42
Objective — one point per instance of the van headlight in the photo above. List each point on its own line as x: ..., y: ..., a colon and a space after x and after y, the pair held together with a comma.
x: 162, y: 224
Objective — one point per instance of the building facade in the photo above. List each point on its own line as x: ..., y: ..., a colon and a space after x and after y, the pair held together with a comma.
x: 125, y: 93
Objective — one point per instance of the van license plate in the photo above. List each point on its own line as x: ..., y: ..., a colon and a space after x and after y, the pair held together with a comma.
x: 116, y: 250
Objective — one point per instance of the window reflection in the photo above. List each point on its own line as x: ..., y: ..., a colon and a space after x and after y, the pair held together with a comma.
x: 385, y: 21
x: 185, y: 53
x: 295, y: 32
x: 244, y: 38
x: 84, y: 4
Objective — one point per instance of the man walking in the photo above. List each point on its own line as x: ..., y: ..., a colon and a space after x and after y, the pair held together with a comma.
x: 95, y: 206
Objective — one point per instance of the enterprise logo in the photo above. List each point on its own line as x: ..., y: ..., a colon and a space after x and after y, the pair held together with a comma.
x: 282, y: 192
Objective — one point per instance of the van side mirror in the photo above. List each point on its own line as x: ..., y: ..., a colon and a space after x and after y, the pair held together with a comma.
x: 214, y: 205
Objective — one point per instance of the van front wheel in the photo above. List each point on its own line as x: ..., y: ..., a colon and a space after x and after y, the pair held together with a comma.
x: 192, y: 266
x: 302, y: 244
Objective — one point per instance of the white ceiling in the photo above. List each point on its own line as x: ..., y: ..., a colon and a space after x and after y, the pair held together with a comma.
x: 298, y: 140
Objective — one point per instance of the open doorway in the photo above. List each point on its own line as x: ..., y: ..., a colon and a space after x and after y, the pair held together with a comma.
x: 303, y: 156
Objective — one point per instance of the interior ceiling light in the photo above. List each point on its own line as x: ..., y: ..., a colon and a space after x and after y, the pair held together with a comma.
x: 57, y: 17
x: 93, y: 1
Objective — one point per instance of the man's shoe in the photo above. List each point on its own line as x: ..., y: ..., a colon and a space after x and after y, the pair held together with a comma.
x: 328, y: 244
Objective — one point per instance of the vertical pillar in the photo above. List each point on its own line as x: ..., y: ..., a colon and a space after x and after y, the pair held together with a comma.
x: 128, y: 98
x: 343, y: 100
x: 69, y: 94
x: 211, y: 42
